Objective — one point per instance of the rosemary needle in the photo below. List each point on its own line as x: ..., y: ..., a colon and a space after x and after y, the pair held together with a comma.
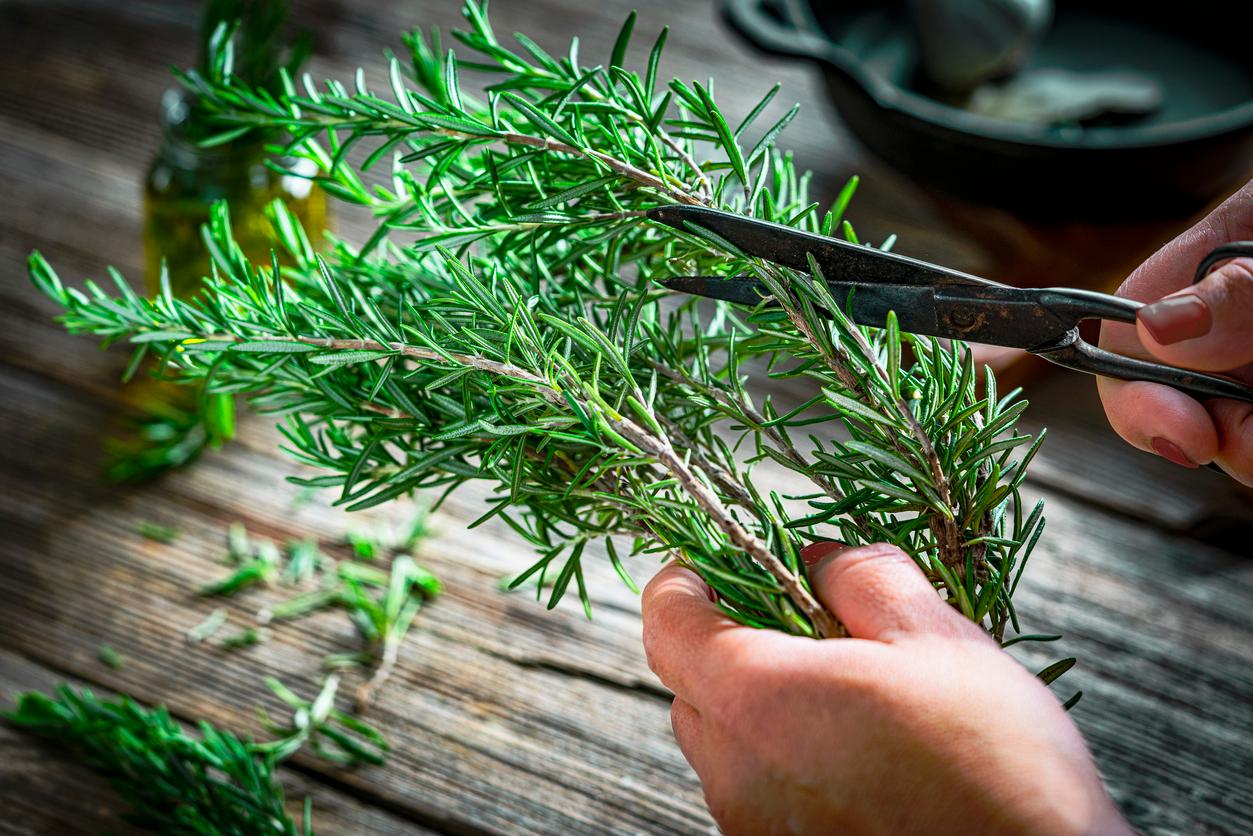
x: 109, y: 656
x: 208, y: 627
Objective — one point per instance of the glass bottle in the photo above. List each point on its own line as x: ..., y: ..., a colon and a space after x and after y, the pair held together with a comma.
x: 185, y: 179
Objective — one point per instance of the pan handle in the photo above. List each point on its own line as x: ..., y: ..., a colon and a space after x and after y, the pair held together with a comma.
x: 777, y: 32
x: 786, y: 28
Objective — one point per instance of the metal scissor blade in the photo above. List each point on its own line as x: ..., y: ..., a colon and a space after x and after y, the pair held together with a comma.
x: 739, y: 290
x: 866, y: 304
x: 839, y: 260
x: 995, y: 315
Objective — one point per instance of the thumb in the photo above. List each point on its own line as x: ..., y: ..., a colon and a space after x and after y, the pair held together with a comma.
x: 1208, y: 326
x: 878, y: 592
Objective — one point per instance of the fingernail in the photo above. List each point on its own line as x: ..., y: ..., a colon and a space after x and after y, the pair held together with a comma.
x: 1170, y: 451
x: 1176, y: 318
x: 815, y: 552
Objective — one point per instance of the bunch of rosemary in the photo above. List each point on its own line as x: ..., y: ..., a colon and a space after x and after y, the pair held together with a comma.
x: 213, y: 783
x: 505, y: 323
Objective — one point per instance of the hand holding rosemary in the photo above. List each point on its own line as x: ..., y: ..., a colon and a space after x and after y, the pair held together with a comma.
x: 504, y: 323
x: 918, y: 723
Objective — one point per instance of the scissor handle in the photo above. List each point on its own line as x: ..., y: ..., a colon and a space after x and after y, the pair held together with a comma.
x: 1090, y: 304
x: 1235, y: 249
x: 1078, y: 305
x: 1075, y: 353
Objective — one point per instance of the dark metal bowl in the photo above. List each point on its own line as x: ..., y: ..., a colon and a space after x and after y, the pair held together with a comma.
x: 1198, y: 145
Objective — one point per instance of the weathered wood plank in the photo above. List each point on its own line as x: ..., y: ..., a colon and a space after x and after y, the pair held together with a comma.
x: 1160, y: 625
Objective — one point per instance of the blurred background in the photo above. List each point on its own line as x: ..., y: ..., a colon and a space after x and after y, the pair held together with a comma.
x: 1145, y: 568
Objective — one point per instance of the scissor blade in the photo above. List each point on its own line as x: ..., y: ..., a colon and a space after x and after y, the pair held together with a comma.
x: 865, y: 304
x: 839, y: 260
x: 995, y: 315
x: 739, y: 290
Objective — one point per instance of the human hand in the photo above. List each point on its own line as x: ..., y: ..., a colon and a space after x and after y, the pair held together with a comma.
x: 917, y: 723
x: 1207, y: 327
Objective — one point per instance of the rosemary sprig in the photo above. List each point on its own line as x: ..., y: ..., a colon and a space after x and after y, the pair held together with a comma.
x: 156, y: 532
x: 330, y: 733
x: 174, y: 781
x: 108, y: 656
x: 504, y: 322
x: 215, y: 783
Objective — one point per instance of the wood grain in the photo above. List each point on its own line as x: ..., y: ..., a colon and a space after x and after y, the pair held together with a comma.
x: 506, y: 717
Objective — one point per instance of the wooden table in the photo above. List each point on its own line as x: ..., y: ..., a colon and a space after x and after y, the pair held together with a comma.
x: 504, y: 717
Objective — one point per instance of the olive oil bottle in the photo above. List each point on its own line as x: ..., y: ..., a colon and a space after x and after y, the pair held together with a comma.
x: 186, y: 178
x: 174, y: 422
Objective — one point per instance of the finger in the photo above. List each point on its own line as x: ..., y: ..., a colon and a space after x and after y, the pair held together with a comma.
x: 1171, y: 267
x: 815, y: 552
x: 1207, y: 326
x: 1160, y: 420
x: 684, y: 631
x: 1156, y: 418
x: 686, y: 722
x: 879, y: 593
x: 1234, y: 420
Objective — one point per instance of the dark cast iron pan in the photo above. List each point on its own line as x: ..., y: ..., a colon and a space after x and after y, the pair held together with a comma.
x: 1196, y: 147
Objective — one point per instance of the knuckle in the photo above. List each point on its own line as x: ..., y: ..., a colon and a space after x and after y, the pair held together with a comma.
x: 1229, y: 289
x: 865, y: 559
x: 654, y: 631
x: 1235, y: 214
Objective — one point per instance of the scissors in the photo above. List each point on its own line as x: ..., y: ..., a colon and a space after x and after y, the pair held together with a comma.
x: 939, y: 302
